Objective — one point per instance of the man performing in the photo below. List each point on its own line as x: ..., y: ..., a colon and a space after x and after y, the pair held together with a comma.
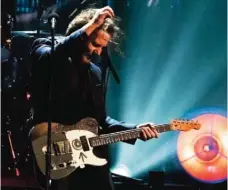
x: 79, y: 88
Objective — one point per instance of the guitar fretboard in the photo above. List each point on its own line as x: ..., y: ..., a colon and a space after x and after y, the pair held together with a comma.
x: 123, y: 135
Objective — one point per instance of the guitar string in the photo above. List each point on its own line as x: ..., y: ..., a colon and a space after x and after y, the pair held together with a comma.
x: 102, y: 137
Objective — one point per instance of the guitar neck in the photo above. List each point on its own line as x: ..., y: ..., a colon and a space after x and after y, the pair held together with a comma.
x: 123, y: 135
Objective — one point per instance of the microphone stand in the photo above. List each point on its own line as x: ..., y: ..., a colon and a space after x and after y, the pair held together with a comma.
x: 40, y: 9
x: 52, y: 19
x: 112, y: 69
x: 110, y: 66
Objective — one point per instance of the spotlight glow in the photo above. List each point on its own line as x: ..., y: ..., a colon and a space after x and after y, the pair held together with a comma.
x: 122, y: 170
x: 207, y: 147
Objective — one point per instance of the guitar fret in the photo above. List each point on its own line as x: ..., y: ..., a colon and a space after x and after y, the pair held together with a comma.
x: 122, y: 137
x: 137, y: 135
x: 94, y: 143
x: 161, y: 129
x: 131, y: 135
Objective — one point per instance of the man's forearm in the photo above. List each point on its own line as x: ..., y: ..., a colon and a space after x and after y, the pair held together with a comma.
x: 89, y: 28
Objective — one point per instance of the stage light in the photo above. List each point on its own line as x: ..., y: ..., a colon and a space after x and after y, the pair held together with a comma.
x: 122, y: 170
x: 28, y: 96
x: 152, y: 2
x: 207, y: 147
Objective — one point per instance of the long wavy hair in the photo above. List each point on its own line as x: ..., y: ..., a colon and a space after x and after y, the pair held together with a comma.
x: 111, y: 26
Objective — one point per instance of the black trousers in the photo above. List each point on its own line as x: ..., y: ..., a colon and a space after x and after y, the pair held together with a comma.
x: 88, y: 178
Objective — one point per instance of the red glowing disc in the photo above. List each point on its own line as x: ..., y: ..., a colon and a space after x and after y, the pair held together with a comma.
x: 203, y: 152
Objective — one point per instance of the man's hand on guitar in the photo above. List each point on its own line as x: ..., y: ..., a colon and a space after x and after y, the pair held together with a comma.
x: 148, y: 131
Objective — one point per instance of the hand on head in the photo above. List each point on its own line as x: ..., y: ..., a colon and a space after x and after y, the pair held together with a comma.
x: 102, y: 14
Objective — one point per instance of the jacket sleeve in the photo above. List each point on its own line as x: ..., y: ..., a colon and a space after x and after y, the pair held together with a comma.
x: 71, y: 43
x: 64, y: 46
x: 111, y: 125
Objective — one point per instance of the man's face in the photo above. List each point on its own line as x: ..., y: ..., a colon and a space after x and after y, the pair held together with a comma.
x: 96, y: 43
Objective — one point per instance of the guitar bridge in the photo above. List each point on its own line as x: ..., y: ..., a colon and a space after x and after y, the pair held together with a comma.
x: 61, y: 147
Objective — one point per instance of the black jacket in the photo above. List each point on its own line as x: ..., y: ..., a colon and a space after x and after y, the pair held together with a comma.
x: 78, y: 90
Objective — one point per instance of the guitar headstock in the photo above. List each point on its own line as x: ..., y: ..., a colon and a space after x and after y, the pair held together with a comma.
x: 184, y: 125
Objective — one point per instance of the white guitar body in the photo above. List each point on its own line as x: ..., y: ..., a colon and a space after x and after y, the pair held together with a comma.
x: 80, y: 157
x: 70, y: 147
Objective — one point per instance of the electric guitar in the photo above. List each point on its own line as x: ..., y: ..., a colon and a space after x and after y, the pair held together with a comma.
x: 72, y: 145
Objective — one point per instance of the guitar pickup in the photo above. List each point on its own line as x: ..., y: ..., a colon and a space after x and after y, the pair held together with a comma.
x: 85, y: 145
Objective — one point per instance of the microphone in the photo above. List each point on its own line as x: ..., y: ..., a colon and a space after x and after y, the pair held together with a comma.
x: 52, y: 19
